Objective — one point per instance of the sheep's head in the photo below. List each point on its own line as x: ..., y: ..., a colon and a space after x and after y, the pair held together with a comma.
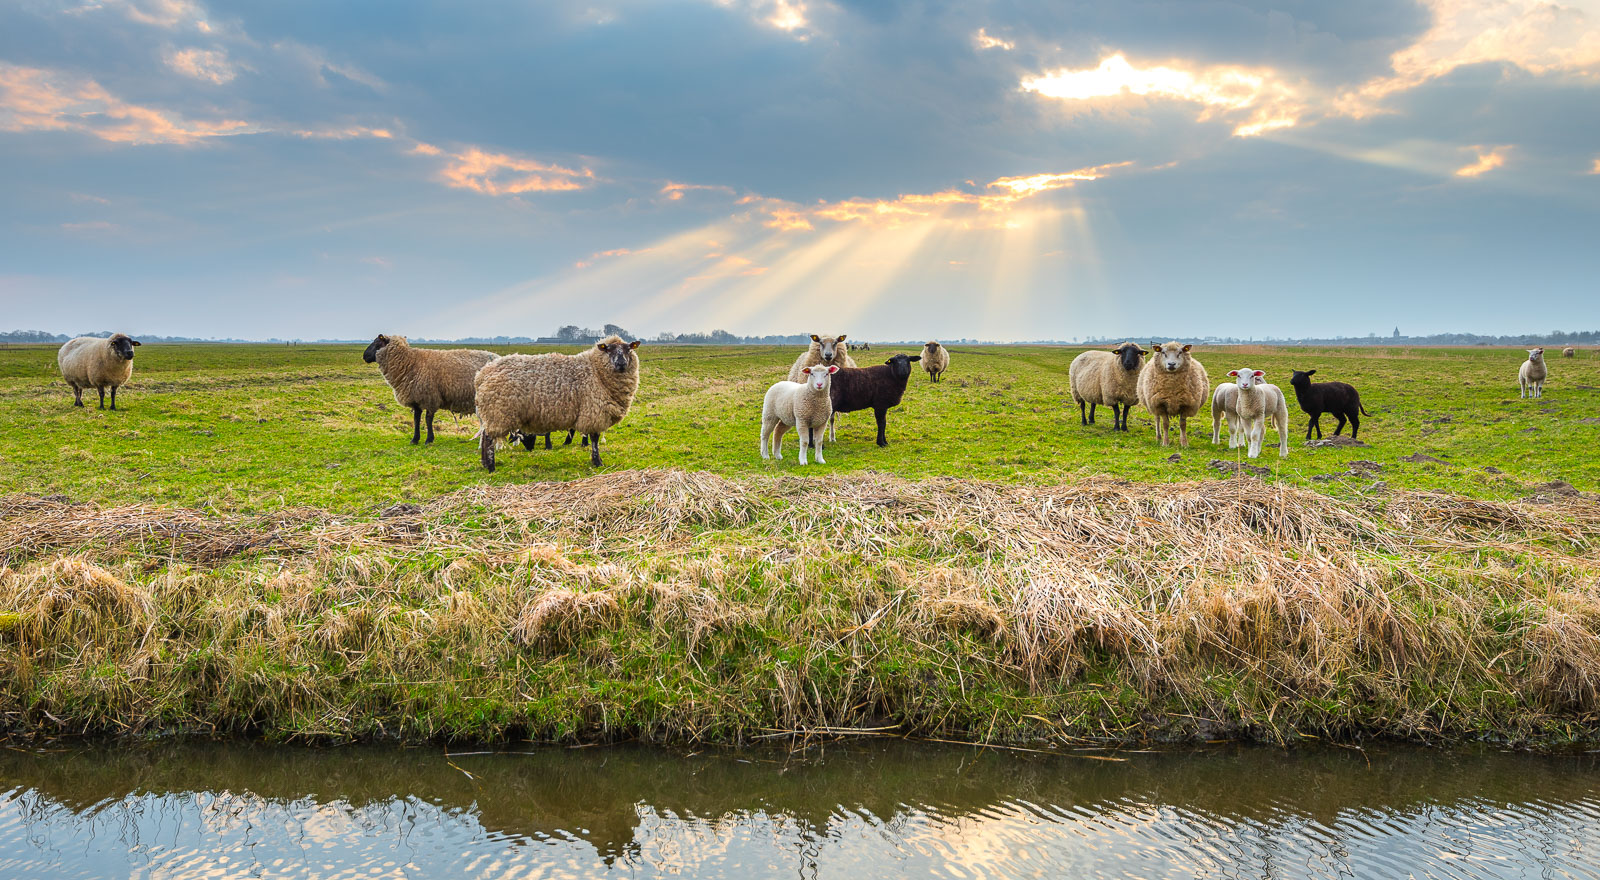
x: 1129, y: 354
x: 817, y: 377
x: 900, y: 365
x: 1173, y: 356
x: 1302, y: 379
x: 619, y: 353
x: 1536, y: 354
x: 123, y: 345
x: 829, y: 346
x: 371, y: 354
x: 930, y: 349
x: 1247, y: 378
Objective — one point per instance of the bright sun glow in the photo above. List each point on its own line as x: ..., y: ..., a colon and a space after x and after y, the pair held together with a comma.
x: 1220, y: 90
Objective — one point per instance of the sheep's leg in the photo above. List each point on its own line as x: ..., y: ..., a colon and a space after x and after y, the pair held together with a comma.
x: 430, y: 424
x: 77, y: 396
x: 1258, y: 432
x: 1091, y: 412
x: 416, y: 424
x: 802, y: 433
x: 778, y: 431
x: 102, y: 397
x: 569, y: 437
x: 528, y: 441
x: 1183, y: 430
x: 833, y: 435
x: 1083, y: 413
x: 547, y: 444
x: 1355, y: 424
x: 594, y: 449
x: 113, y: 397
x: 882, y: 416
x: 486, y: 450
x: 1339, y: 427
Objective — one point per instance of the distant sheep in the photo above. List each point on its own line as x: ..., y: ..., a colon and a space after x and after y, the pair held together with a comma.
x: 1173, y: 383
x: 1106, y: 378
x: 535, y: 394
x: 426, y: 379
x: 877, y: 388
x: 1569, y: 351
x: 935, y: 360
x: 1337, y: 399
x: 803, y: 406
x: 1249, y: 404
x: 93, y: 362
x: 1530, y: 378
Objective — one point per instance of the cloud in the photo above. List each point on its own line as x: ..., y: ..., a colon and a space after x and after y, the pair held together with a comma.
x: 92, y: 226
x: 207, y: 64
x: 497, y: 174
x: 985, y: 41
x: 1258, y: 97
x: 166, y: 14
x: 675, y: 191
x: 1595, y: 169
x: 352, y: 132
x: 614, y: 252
x: 35, y: 99
x: 381, y: 262
x: 788, y: 16
x: 1489, y: 158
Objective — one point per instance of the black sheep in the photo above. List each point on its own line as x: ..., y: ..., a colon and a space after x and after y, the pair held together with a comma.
x: 876, y: 388
x: 1334, y: 398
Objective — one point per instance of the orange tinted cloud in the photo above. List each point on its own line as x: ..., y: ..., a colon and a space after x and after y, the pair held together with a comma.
x: 498, y: 174
x: 35, y: 99
x: 211, y: 65
x: 985, y: 41
x: 1489, y: 158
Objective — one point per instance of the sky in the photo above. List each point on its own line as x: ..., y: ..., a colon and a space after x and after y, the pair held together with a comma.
x: 892, y: 170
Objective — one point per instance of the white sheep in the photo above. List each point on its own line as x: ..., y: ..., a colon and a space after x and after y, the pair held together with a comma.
x: 93, y: 362
x: 1530, y: 378
x: 803, y: 406
x: 823, y: 350
x: 1249, y: 403
x: 1173, y: 384
x: 1106, y: 378
x: 935, y: 360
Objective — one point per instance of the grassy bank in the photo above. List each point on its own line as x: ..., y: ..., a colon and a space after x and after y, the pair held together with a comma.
x: 685, y: 605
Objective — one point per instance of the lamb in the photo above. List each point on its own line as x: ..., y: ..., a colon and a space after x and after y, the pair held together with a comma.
x: 824, y: 350
x: 1569, y: 352
x: 878, y: 388
x: 533, y: 394
x: 1338, y: 399
x: 93, y: 362
x: 1107, y: 378
x: 1530, y: 379
x: 427, y: 379
x: 1173, y: 383
x: 805, y: 407
x: 935, y: 360
x: 1249, y: 404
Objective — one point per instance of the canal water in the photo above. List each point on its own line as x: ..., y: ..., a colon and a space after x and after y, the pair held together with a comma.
x: 878, y: 809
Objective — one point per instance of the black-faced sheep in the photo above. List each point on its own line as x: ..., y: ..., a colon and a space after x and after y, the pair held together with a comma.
x: 427, y: 380
x: 539, y: 393
x: 1106, y: 378
x: 1532, y: 373
x: 935, y: 360
x: 878, y: 388
x: 1173, y: 384
x: 93, y: 362
x: 1337, y: 399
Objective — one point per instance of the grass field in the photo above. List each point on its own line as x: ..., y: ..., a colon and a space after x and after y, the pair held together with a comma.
x: 252, y: 546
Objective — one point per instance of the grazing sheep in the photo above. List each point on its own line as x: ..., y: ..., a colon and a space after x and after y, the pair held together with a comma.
x: 426, y: 379
x: 824, y: 350
x: 805, y: 407
x: 877, y: 388
x: 1530, y: 378
x: 1107, y: 378
x: 935, y: 360
x: 1173, y: 384
x: 1249, y: 404
x: 532, y: 394
x: 1337, y: 399
x: 93, y: 362
x: 1569, y: 351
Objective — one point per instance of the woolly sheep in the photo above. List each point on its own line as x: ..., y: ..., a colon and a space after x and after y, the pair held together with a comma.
x: 935, y: 360
x: 1530, y: 378
x: 425, y: 379
x: 539, y: 393
x: 1569, y: 351
x: 93, y: 362
x: 878, y: 388
x: 1249, y: 404
x: 1338, y: 399
x: 1173, y: 383
x: 1106, y: 378
x: 824, y: 350
x: 805, y: 407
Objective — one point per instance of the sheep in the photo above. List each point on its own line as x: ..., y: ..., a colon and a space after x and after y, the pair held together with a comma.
x: 878, y: 388
x: 1106, y: 378
x: 535, y: 394
x: 1338, y: 399
x: 1569, y: 351
x: 824, y: 350
x: 935, y: 360
x: 1249, y: 405
x: 805, y: 407
x: 1530, y: 378
x: 1173, y: 383
x: 426, y: 379
x: 93, y: 362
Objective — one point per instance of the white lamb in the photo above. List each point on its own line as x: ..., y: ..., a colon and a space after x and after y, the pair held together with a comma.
x: 1530, y: 378
x: 1248, y: 403
x: 803, y: 406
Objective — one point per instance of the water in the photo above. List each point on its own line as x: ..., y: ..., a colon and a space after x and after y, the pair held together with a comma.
x: 177, y: 810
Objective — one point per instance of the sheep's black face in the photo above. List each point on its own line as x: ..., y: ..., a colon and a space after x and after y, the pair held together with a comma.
x: 1301, y: 380
x: 900, y: 365
x: 1129, y: 356
x: 619, y: 353
x: 123, y: 346
x: 371, y: 354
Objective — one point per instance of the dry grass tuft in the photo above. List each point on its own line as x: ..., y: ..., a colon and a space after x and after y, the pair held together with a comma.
x: 560, y: 616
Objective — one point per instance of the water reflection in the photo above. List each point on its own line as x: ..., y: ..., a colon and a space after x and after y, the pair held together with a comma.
x: 214, y: 810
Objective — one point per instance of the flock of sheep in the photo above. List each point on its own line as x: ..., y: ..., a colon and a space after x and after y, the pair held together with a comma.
x: 522, y: 397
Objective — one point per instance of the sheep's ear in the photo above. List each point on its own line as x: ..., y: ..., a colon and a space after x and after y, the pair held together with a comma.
x: 1311, y: 372
x: 833, y: 369
x: 1155, y: 346
x: 136, y: 342
x: 634, y: 344
x: 1187, y: 347
x: 806, y: 370
x: 841, y: 338
x: 1260, y: 373
x: 815, y: 338
x: 600, y: 346
x: 915, y: 358
x: 1233, y: 373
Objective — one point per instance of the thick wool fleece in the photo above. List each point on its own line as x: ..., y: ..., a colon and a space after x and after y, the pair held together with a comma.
x: 540, y: 393
x: 1179, y: 393
x: 813, y: 356
x: 91, y: 362
x: 432, y: 379
x: 1099, y: 377
x: 935, y: 359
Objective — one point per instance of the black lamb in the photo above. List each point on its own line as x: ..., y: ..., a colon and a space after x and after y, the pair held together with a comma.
x: 876, y: 388
x: 1337, y: 399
